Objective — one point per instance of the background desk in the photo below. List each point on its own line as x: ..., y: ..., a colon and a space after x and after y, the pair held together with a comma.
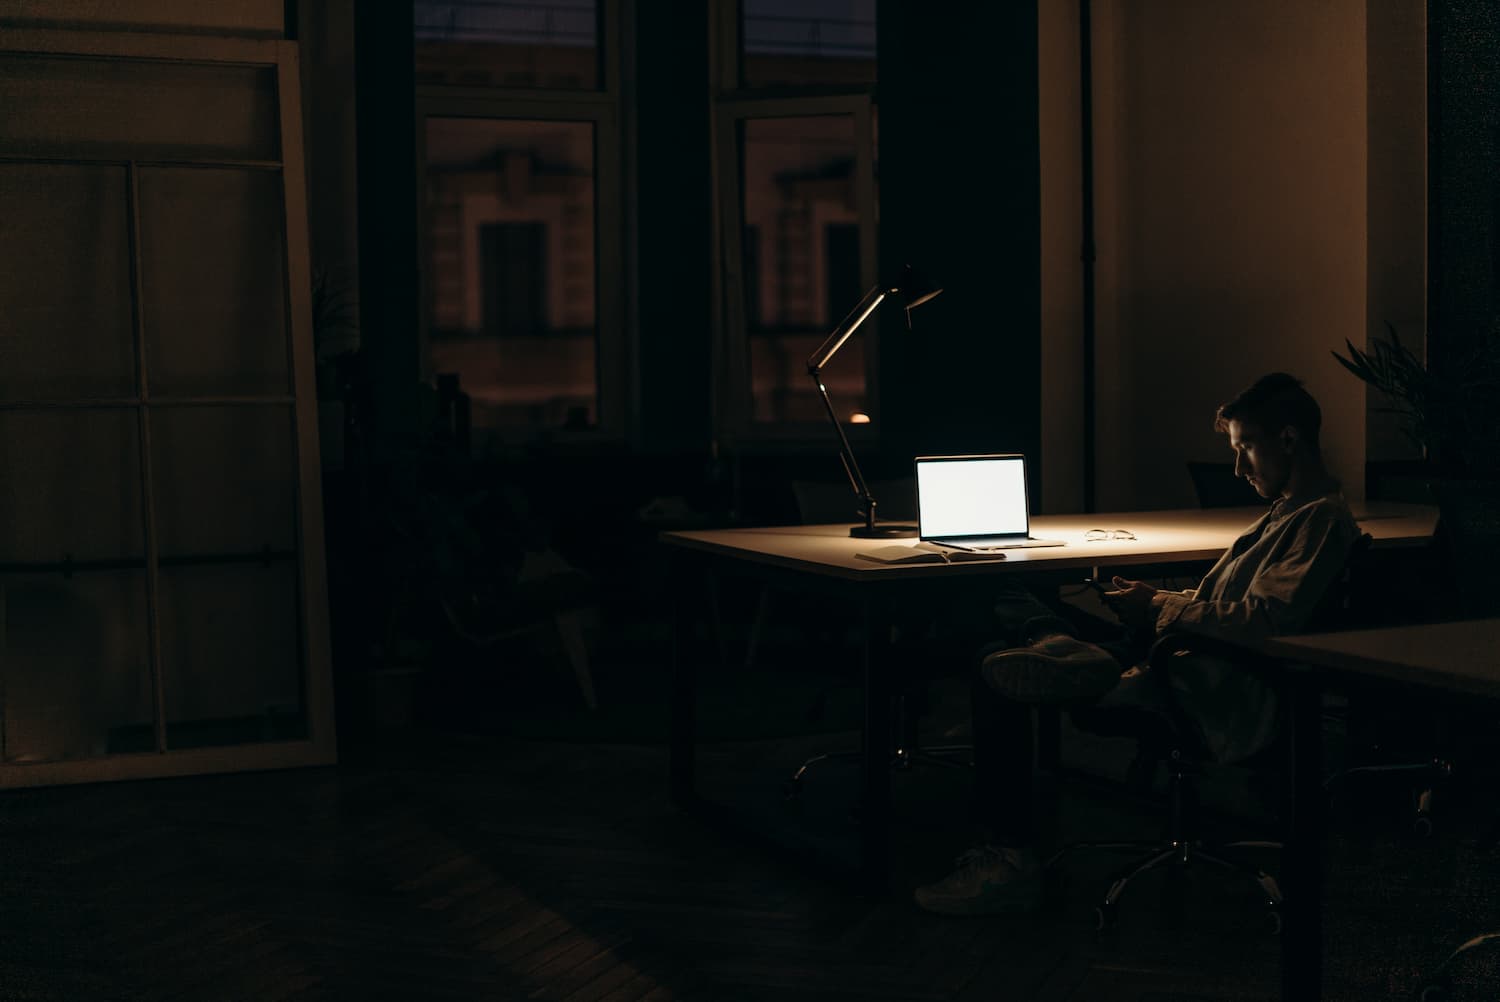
x: 822, y: 559
x: 1460, y: 659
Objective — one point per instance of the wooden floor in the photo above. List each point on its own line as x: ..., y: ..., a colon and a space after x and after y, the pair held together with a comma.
x: 437, y: 864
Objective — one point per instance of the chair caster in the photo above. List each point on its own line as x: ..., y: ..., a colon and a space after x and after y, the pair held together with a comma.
x: 1421, y: 825
x: 1273, y: 921
x: 1106, y: 917
x: 1435, y: 991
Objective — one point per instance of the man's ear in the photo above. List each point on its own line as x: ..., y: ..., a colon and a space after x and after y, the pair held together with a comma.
x: 1289, y: 439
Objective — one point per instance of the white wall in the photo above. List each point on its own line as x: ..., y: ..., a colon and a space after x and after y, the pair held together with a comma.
x: 1230, y: 158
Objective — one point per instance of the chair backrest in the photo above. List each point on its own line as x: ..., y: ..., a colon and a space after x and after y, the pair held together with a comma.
x: 1218, y: 487
x: 835, y: 501
x: 1468, y: 540
x: 1346, y: 603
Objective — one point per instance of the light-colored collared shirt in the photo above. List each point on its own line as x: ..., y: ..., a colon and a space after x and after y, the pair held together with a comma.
x: 1268, y: 583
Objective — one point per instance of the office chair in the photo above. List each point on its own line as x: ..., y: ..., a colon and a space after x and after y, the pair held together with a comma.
x: 1172, y: 738
x: 817, y: 503
x: 1468, y: 537
x: 822, y: 502
x: 1466, y: 548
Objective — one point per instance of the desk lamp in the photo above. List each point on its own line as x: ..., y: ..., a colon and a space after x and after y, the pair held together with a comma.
x: 912, y: 291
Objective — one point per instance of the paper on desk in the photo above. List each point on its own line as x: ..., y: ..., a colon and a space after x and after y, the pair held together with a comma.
x: 923, y: 553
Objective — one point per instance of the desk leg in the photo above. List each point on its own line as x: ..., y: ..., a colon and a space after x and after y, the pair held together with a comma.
x: 875, y: 815
x: 684, y: 689
x: 1302, y: 926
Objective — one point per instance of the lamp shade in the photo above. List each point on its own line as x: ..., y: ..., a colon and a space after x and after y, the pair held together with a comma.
x: 914, y: 288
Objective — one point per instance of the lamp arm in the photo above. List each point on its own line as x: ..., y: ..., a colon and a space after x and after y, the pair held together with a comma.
x: 815, y: 363
x: 846, y: 454
x: 848, y: 326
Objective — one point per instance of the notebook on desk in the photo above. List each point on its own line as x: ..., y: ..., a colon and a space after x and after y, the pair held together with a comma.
x: 975, y: 503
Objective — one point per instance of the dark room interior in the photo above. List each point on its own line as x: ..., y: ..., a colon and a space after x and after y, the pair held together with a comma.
x: 498, y: 579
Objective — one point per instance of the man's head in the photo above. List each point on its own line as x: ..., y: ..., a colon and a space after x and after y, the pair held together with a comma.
x: 1273, y: 429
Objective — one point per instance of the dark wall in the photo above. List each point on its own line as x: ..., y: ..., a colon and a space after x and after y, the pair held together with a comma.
x: 1463, y: 175
x: 385, y: 116
x: 960, y: 198
x: 675, y: 227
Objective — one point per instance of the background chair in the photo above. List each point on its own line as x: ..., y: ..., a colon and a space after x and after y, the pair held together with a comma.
x: 1455, y: 580
x: 1218, y: 487
x: 1171, y: 738
x: 818, y: 503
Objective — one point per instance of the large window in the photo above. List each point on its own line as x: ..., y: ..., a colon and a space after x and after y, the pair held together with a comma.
x: 797, y: 195
x: 520, y: 212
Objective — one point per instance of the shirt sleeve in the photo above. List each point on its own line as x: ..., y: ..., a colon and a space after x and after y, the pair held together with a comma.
x: 1302, y: 561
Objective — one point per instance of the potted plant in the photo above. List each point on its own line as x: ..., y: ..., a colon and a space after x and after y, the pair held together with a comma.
x: 1453, y: 417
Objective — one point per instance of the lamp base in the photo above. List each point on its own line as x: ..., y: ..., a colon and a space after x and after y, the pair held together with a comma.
x: 883, y: 531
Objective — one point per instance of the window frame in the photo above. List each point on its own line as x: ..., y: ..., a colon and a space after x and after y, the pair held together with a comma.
x: 732, y: 357
x: 614, y: 385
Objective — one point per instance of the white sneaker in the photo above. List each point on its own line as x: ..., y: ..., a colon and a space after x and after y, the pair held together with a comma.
x: 989, y: 880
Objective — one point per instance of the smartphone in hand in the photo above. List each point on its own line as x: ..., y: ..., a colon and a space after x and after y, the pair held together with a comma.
x: 1100, y: 586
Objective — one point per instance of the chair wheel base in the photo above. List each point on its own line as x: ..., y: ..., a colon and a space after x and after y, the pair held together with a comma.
x: 1435, y: 991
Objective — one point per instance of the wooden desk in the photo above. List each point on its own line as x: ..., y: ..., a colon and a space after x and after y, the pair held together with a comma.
x: 1460, y: 659
x: 822, y: 559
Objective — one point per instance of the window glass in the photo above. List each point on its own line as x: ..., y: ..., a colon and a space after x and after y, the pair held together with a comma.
x: 801, y: 263
x: 550, y: 44
x: 510, y: 296
x: 73, y: 223
x: 800, y: 42
x: 213, y: 281
x: 231, y: 677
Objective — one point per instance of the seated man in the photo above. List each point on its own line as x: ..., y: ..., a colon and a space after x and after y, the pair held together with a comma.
x: 1267, y: 583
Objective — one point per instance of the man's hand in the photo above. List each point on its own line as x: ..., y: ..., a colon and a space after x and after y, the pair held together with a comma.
x: 1134, y: 602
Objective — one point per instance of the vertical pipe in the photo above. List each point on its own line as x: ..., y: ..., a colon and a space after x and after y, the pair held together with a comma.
x: 1089, y: 251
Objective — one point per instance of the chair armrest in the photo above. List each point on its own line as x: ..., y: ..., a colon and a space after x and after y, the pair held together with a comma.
x: 1177, y: 642
x: 1181, y: 642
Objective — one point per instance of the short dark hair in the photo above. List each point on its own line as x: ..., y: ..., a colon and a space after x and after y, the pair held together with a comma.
x: 1273, y: 402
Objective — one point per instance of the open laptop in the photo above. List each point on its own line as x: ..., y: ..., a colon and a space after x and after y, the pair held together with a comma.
x: 975, y: 503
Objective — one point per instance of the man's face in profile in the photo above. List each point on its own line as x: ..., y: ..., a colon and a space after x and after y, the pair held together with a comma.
x: 1264, y: 460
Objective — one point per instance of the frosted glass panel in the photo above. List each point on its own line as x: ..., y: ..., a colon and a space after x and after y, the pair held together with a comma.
x: 65, y: 310
x: 231, y: 671
x: 136, y: 109
x: 73, y: 664
x: 214, y: 274
x: 226, y: 480
x: 71, y: 484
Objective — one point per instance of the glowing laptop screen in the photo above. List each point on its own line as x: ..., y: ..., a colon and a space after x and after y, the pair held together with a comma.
x: 960, y: 496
